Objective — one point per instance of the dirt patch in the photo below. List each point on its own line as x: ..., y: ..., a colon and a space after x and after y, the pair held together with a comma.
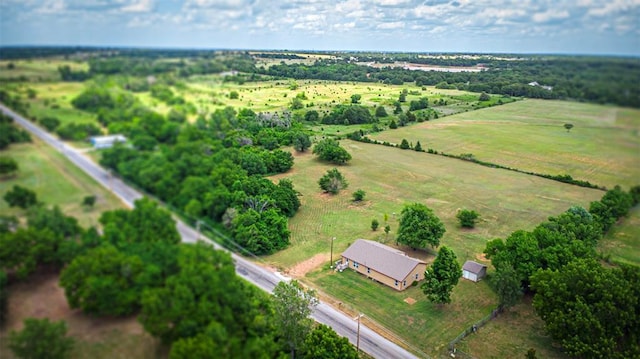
x: 410, y: 301
x: 41, y: 297
x: 481, y: 257
x: 301, y: 269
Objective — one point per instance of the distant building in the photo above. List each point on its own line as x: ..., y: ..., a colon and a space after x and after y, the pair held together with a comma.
x: 106, y: 141
x: 384, y: 264
x: 473, y: 271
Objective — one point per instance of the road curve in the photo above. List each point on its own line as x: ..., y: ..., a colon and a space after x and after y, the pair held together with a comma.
x: 370, y: 342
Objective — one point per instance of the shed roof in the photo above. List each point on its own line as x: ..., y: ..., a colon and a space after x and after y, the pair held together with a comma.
x: 384, y: 259
x: 108, y: 139
x: 473, y: 267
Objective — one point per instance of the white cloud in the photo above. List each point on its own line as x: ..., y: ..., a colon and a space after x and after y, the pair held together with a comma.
x: 550, y: 15
x: 613, y: 7
x: 139, y: 6
x: 391, y: 2
x: 52, y: 7
x: 391, y: 25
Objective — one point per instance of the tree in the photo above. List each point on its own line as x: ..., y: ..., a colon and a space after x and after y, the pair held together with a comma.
x: 419, y: 227
x: 4, y: 297
x: 359, y: 195
x: 301, y: 142
x: 293, y: 306
x: 374, y: 224
x: 404, y: 144
x: 234, y: 95
x: 568, y: 126
x: 393, y: 125
x: 507, y: 284
x: 387, y: 229
x: 89, y: 201
x: 261, y: 231
x: 397, y: 109
x: 381, y: 111
x: 591, y: 310
x: 8, y: 166
x: 329, y: 150
x: 484, y: 97
x: 442, y: 276
x: 50, y: 123
x: 296, y: 104
x: 418, y: 147
x: 204, y: 290
x: 104, y: 281
x: 333, y: 181
x: 41, y: 339
x: 21, y: 197
x: 324, y: 343
x: 355, y: 99
x: 403, y: 96
x: 467, y: 218
x: 311, y: 116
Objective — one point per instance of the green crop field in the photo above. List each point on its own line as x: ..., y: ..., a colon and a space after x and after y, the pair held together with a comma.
x: 602, y: 147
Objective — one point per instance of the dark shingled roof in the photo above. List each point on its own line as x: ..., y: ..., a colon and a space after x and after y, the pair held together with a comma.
x: 384, y: 259
x: 473, y: 267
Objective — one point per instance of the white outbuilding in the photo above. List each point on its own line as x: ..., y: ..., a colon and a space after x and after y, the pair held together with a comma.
x: 473, y: 271
x: 106, y: 141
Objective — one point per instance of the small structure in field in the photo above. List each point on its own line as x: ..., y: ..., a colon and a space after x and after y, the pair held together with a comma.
x: 99, y: 142
x: 384, y: 264
x: 473, y: 271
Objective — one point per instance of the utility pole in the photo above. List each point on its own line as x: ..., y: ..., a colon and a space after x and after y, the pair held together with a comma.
x: 331, y: 263
x: 358, y: 337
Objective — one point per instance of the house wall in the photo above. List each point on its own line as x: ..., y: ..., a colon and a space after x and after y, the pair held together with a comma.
x: 398, y: 285
x: 470, y: 276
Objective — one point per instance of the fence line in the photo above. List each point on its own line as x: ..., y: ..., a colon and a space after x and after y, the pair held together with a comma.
x: 474, y: 328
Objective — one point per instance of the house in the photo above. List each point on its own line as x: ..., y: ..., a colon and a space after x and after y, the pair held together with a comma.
x: 384, y: 264
x: 106, y: 141
x: 473, y: 271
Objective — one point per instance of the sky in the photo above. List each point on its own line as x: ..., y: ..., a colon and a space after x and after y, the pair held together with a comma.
x: 601, y: 27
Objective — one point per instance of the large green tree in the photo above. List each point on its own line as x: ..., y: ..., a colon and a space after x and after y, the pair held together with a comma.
x: 329, y: 150
x: 507, y: 285
x: 419, y: 227
x: 8, y: 166
x: 594, y: 312
x: 324, y: 343
x: 442, y: 276
x: 293, y: 306
x: 41, y: 339
x: 104, y: 281
x: 21, y: 197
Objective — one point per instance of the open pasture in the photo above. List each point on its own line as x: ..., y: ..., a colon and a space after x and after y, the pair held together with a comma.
x: 601, y: 148
x: 36, y: 70
x: 507, y: 201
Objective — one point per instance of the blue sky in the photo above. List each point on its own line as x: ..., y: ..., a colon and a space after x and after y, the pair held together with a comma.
x: 525, y: 26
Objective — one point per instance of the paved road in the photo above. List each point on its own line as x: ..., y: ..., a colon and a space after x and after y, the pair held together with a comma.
x: 370, y: 342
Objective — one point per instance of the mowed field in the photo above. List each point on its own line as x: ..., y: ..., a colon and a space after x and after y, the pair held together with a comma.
x: 603, y: 147
x: 507, y: 201
x: 57, y: 181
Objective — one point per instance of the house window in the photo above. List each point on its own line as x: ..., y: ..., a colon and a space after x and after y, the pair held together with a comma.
x: 355, y: 264
x: 404, y: 283
x: 416, y: 276
x: 368, y: 270
x: 396, y: 283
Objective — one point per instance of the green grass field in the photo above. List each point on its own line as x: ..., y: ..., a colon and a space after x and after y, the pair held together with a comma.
x: 602, y: 147
x: 507, y: 201
x: 56, y: 181
x: 38, y: 69
x: 622, y: 241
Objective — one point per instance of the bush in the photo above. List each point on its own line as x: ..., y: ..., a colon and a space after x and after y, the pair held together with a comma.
x: 358, y: 195
x: 41, y: 338
x: 374, y: 224
x: 467, y: 218
x: 333, y: 181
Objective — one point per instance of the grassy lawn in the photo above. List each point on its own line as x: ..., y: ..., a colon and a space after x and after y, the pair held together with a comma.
x: 38, y: 69
x: 511, y: 335
x: 425, y: 326
x: 56, y: 181
x: 623, y: 240
x: 602, y: 147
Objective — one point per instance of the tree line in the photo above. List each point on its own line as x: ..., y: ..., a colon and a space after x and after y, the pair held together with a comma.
x: 187, y: 295
x: 591, y: 309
